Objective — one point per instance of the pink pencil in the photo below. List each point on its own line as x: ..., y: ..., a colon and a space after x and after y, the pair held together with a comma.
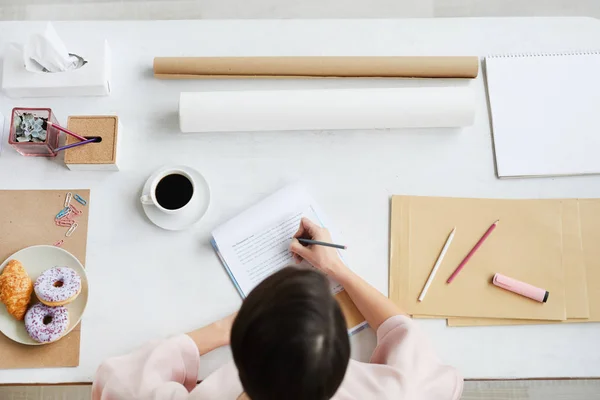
x: 65, y: 130
x: 473, y: 250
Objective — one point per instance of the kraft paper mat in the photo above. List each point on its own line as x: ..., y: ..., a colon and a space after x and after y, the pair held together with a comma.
x: 526, y: 245
x: 351, y: 313
x: 27, y: 219
x: 315, y: 67
x: 588, y: 222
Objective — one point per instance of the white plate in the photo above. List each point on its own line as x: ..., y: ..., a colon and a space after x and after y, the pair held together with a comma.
x: 37, y: 259
x: 192, y: 214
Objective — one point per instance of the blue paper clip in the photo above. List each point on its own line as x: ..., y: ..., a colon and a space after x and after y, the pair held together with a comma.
x: 63, y: 212
x: 80, y: 200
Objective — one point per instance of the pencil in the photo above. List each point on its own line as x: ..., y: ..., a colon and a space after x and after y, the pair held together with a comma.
x: 437, y: 264
x: 319, y: 243
x: 65, y: 130
x: 473, y: 250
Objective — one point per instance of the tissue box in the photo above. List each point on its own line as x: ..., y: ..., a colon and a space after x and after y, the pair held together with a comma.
x: 101, y: 156
x: 92, y: 79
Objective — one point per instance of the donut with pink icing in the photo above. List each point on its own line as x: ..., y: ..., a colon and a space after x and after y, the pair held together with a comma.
x: 57, y: 286
x: 46, y: 324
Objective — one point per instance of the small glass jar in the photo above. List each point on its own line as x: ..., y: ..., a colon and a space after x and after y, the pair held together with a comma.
x: 34, y: 149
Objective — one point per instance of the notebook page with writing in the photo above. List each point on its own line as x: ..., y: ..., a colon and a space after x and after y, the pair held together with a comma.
x: 544, y: 112
x: 255, y: 244
x: 256, y: 255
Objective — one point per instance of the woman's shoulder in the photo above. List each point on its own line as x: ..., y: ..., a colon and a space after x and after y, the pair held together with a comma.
x: 403, y: 366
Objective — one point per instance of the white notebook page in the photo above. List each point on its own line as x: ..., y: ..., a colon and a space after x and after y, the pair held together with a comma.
x: 255, y: 244
x: 545, y: 112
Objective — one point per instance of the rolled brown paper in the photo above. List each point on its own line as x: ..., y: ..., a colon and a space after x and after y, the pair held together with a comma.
x: 315, y: 67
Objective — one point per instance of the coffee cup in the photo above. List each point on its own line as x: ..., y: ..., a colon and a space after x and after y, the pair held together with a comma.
x: 171, y: 192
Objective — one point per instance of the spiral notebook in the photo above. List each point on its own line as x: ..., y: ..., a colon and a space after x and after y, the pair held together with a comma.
x: 545, y: 111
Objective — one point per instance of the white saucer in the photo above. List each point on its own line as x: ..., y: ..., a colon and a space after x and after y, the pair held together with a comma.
x: 35, y: 260
x: 192, y: 214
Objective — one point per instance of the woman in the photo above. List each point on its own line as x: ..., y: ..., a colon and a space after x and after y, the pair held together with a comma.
x: 289, y: 341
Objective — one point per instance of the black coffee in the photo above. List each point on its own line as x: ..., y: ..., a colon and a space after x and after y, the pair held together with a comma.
x: 174, y: 191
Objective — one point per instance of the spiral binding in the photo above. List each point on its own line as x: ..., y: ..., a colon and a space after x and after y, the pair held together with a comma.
x: 560, y: 54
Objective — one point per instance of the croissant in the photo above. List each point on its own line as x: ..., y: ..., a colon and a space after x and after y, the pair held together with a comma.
x: 15, y: 289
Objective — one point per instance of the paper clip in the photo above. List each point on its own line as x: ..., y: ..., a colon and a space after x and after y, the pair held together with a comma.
x: 64, y: 217
x: 65, y: 222
x: 71, y: 229
x: 74, y: 209
x: 59, y: 243
x: 68, y: 199
x: 80, y: 200
x: 63, y: 212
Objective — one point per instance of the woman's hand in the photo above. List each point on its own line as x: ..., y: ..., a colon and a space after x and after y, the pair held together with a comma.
x: 323, y: 258
x: 374, y: 306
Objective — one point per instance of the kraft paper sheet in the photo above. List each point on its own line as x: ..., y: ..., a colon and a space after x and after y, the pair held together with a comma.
x: 27, y: 219
x: 315, y: 67
x: 581, y: 255
x: 526, y: 245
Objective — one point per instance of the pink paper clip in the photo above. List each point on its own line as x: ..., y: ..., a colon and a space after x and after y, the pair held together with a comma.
x: 64, y: 217
x: 59, y: 243
x: 65, y: 222
x: 74, y: 209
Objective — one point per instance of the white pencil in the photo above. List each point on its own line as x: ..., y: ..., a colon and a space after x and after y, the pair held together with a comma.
x: 437, y: 265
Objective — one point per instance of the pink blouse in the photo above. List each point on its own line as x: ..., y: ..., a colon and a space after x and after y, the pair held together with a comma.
x: 403, y: 366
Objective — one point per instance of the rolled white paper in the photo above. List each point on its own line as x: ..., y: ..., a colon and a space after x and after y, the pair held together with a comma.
x: 281, y: 110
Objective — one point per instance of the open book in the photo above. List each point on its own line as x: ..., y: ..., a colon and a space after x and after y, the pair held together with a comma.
x: 255, y: 244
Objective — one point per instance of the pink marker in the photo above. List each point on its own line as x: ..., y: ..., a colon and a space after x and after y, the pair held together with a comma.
x: 522, y: 288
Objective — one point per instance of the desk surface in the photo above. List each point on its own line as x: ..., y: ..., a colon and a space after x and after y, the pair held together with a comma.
x: 352, y: 175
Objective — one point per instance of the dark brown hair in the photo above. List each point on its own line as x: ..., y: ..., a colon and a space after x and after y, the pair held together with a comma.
x: 289, y: 340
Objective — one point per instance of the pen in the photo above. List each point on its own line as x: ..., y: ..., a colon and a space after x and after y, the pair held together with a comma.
x: 319, y: 243
x: 75, y: 144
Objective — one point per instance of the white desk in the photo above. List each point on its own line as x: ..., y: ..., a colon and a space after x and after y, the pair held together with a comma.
x: 148, y: 283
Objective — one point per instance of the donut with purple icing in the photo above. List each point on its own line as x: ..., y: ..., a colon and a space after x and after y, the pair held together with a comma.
x: 57, y: 286
x: 46, y: 324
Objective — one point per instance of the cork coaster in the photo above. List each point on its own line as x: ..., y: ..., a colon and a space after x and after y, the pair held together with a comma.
x: 104, y: 152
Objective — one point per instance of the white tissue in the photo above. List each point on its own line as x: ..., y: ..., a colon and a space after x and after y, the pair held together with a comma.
x: 46, y: 52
